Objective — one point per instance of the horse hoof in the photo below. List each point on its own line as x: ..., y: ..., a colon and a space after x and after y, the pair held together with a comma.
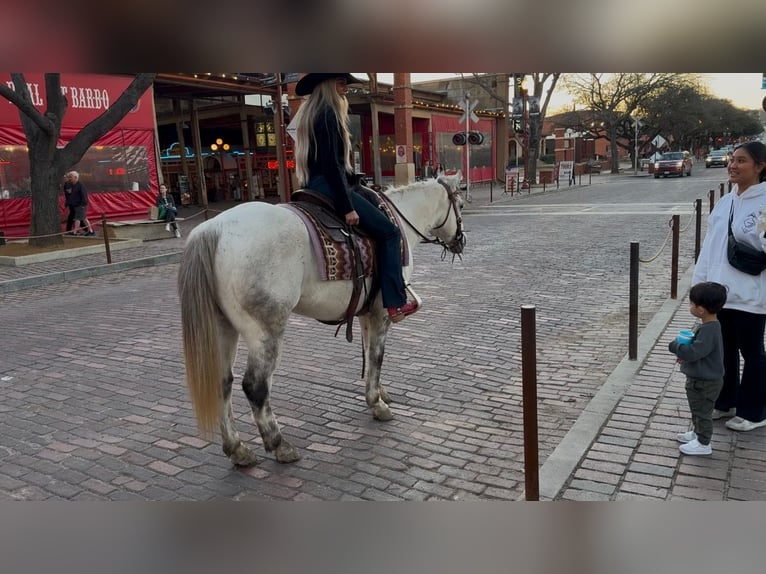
x: 286, y: 453
x: 384, y: 396
x: 381, y: 412
x: 243, y: 456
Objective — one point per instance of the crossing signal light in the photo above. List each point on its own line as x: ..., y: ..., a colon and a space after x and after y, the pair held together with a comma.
x: 474, y: 138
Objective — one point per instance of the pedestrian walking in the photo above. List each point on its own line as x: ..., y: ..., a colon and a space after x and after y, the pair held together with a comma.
x: 79, y: 201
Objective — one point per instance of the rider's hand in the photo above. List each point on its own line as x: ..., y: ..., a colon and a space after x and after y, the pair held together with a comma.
x: 352, y: 218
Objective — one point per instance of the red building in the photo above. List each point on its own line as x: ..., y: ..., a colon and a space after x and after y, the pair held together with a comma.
x: 119, y: 170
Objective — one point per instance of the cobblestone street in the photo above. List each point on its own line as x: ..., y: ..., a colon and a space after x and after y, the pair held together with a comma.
x: 93, y: 405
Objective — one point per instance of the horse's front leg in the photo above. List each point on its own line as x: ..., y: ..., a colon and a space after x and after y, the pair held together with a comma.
x: 374, y: 329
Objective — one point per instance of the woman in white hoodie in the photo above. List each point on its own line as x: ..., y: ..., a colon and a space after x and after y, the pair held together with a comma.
x: 743, y: 318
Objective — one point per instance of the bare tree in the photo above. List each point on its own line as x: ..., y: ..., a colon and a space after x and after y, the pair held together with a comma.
x: 47, y: 163
x: 543, y: 85
x: 611, y: 100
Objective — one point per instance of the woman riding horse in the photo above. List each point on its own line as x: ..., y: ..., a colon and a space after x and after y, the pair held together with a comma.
x: 323, y: 164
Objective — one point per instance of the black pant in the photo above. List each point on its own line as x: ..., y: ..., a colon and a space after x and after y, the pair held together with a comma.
x: 743, y: 333
x: 70, y: 219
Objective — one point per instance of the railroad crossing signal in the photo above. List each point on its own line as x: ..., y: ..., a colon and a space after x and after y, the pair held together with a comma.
x: 468, y: 109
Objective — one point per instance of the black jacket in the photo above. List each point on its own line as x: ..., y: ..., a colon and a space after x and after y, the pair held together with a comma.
x: 78, y: 197
x: 326, y: 159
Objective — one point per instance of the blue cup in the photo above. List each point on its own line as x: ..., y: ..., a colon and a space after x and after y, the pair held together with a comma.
x: 685, y: 337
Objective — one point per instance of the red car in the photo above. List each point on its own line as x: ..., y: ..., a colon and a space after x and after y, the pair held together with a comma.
x: 673, y: 163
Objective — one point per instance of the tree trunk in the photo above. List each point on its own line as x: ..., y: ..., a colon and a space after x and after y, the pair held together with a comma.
x: 614, y: 149
x: 45, y: 227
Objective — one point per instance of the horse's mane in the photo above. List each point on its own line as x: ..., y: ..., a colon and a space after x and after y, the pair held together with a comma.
x: 450, y: 180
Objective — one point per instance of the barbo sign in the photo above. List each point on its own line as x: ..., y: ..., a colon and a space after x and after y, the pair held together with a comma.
x: 78, y: 97
x: 88, y: 96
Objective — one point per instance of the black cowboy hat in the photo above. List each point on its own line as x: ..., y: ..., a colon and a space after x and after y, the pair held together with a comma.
x: 308, y: 82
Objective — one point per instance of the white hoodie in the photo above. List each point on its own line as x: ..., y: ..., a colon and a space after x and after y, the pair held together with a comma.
x: 746, y: 292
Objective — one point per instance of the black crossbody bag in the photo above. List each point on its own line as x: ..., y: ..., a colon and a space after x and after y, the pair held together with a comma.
x: 742, y: 256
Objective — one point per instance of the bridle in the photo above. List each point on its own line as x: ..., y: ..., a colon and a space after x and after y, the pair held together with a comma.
x: 456, y: 245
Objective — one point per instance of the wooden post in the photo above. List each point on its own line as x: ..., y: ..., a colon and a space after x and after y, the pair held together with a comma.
x: 107, y: 249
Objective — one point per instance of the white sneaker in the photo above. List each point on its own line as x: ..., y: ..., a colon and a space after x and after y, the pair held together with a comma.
x: 178, y: 232
x: 687, y: 436
x: 723, y: 414
x: 740, y: 424
x: 167, y: 227
x: 695, y: 448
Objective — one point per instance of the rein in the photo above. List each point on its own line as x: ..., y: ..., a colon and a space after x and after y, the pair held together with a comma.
x: 458, y: 242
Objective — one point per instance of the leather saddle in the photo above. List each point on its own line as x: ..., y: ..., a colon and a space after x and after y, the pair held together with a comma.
x: 346, y: 240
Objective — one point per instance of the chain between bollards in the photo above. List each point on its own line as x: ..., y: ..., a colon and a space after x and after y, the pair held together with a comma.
x: 529, y: 400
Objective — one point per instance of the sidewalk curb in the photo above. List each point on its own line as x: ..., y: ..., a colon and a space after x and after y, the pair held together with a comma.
x: 562, y: 462
x: 84, y: 272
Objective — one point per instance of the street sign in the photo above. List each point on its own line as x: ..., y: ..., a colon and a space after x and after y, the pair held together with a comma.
x: 469, y: 111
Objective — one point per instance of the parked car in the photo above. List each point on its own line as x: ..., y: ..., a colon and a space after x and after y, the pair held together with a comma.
x: 717, y: 157
x: 673, y: 163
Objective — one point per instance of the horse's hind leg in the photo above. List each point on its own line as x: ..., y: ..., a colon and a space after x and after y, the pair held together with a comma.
x: 262, y: 361
x: 233, y: 447
x: 374, y: 329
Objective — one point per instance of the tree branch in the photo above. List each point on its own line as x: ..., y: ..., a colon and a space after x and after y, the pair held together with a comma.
x: 21, y: 98
x: 111, y: 117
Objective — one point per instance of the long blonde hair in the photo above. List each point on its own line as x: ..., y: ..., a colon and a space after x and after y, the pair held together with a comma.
x: 324, y: 94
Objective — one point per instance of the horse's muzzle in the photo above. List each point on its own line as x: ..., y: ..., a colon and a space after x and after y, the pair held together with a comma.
x: 457, y: 245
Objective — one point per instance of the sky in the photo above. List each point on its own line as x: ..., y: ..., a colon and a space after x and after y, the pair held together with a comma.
x: 744, y: 90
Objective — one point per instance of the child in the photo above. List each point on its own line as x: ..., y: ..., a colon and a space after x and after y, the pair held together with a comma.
x: 702, y: 363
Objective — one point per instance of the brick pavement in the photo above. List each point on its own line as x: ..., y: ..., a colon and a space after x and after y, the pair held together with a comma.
x: 114, y: 423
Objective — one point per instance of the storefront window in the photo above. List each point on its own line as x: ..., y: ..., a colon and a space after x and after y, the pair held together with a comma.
x: 102, y: 169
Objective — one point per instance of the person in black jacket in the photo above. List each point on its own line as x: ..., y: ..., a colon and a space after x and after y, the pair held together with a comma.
x: 78, y: 199
x: 323, y: 164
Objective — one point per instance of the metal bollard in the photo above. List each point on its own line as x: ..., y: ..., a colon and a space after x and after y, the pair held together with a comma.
x: 529, y: 399
x: 674, y: 257
x: 633, y: 303
x: 697, y: 228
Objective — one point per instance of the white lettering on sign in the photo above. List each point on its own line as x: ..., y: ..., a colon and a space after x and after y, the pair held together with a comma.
x: 81, y: 98
x: 34, y: 92
x: 87, y: 98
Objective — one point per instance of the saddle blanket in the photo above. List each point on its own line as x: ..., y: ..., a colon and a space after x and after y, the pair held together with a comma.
x: 335, y: 260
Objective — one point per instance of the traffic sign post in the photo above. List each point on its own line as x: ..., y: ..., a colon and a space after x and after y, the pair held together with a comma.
x: 468, y: 116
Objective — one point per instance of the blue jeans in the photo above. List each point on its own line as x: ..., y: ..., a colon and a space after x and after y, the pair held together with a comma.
x: 387, y: 239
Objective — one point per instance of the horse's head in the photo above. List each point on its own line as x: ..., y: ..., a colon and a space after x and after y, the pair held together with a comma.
x: 449, y: 232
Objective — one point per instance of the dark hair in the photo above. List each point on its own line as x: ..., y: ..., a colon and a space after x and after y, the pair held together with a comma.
x: 757, y: 151
x: 710, y: 295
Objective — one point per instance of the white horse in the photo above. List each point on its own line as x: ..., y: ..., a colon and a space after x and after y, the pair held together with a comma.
x: 246, y: 270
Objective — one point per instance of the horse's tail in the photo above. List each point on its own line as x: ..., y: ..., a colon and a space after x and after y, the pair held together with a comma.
x: 199, y: 315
